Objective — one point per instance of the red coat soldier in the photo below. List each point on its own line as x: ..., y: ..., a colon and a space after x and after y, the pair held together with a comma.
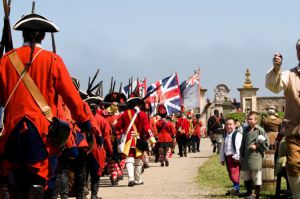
x: 23, y: 144
x: 139, y: 130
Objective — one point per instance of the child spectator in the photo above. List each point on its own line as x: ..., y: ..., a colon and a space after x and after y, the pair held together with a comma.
x: 254, y: 143
x: 230, y: 154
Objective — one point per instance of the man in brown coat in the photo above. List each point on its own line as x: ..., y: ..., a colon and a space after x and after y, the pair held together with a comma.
x: 289, y: 82
x: 271, y: 123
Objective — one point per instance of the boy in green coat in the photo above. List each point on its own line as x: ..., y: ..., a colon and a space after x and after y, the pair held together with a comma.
x: 254, y: 143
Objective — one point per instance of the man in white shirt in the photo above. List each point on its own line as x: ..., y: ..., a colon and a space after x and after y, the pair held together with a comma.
x: 289, y: 82
x: 230, y: 154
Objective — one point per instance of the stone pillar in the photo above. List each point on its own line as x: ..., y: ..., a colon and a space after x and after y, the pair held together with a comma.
x: 248, y: 99
x: 248, y: 94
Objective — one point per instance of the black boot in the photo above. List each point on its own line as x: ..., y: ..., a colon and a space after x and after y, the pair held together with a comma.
x: 257, y: 191
x: 35, y: 192
x: 198, y: 147
x: 94, y: 187
x: 248, y: 185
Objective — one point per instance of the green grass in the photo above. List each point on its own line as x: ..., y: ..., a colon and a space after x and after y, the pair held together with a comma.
x: 213, y: 178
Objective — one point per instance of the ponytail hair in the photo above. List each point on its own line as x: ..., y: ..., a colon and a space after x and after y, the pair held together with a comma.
x: 32, y: 38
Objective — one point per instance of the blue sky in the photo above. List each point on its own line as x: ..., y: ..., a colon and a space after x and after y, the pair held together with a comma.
x: 136, y: 38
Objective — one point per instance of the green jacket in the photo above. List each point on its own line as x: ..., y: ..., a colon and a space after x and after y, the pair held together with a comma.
x: 252, y: 160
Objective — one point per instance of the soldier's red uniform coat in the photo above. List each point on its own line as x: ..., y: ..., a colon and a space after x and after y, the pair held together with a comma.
x: 105, y: 128
x: 52, y: 78
x: 142, y: 125
x: 184, y: 125
x: 197, y: 127
x: 153, y: 121
x: 166, y: 130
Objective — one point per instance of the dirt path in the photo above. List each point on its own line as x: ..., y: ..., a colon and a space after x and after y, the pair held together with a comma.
x: 175, y: 181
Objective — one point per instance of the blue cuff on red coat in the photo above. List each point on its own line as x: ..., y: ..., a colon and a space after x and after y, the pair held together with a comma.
x: 85, y: 126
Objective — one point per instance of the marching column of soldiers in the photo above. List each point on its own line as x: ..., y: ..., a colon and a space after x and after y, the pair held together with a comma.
x: 57, y: 140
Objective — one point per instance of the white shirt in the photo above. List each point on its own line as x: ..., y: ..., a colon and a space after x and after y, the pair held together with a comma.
x: 227, y: 146
x: 276, y: 82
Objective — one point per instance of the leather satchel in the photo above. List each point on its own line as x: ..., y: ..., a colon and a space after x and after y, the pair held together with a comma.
x: 59, y: 130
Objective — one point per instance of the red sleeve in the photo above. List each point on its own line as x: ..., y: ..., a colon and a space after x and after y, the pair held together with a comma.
x: 106, y: 132
x: 171, y: 129
x: 94, y: 122
x: 65, y: 87
x: 145, y: 122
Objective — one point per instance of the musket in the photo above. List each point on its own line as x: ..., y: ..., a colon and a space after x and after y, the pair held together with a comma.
x: 53, y: 42
x: 92, y: 82
x: 6, y: 40
x: 131, y: 82
x: 101, y: 87
x: 113, y: 88
x: 92, y: 89
x: 120, y: 89
x: 33, y: 7
x: 128, y: 95
x: 111, y: 85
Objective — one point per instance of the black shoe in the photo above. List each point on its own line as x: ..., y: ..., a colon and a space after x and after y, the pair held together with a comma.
x: 185, y: 154
x: 214, y: 149
x: 162, y: 164
x: 114, y: 182
x: 95, y: 197
x: 167, y: 163
x: 131, y: 184
x: 120, y: 177
x: 232, y: 192
x: 198, y: 150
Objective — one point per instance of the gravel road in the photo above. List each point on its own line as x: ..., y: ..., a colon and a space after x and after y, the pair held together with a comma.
x: 176, y: 181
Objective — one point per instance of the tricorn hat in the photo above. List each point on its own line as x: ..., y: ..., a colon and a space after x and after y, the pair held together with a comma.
x: 36, y: 23
x: 93, y: 100
x: 197, y: 115
x: 134, y: 101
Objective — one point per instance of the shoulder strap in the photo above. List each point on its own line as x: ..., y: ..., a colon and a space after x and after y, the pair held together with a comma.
x: 30, y: 85
x: 217, y: 121
x: 133, y: 125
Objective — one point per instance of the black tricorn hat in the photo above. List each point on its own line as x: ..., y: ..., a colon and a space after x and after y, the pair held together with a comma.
x: 135, y: 101
x: 36, y: 23
x: 93, y: 100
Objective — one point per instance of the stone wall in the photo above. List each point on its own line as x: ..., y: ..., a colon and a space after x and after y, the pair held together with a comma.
x: 264, y: 102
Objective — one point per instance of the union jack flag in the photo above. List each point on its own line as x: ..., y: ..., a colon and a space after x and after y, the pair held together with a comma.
x: 138, y: 89
x: 168, y: 94
x: 190, y: 90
